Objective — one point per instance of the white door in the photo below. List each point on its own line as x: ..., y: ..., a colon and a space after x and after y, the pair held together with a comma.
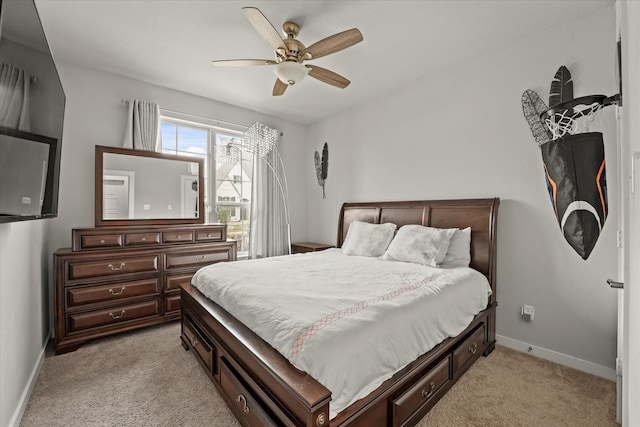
x: 189, y: 196
x: 118, y: 195
x: 628, y: 14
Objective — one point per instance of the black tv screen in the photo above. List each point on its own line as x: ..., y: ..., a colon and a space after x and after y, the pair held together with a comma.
x: 28, y: 178
x: 29, y: 154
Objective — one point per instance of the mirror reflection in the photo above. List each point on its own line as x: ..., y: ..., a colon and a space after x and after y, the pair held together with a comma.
x: 146, y: 186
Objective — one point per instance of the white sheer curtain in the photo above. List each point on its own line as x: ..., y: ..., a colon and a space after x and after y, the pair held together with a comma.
x: 14, y: 98
x: 143, y: 126
x: 269, y: 220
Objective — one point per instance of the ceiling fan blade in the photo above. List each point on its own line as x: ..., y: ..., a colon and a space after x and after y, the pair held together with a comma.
x: 334, y: 43
x: 279, y: 88
x: 264, y: 27
x: 242, y: 62
x: 327, y: 76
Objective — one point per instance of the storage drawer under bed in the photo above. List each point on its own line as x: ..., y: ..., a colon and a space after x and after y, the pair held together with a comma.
x: 470, y: 349
x: 416, y: 400
x: 246, y: 405
x: 204, y: 350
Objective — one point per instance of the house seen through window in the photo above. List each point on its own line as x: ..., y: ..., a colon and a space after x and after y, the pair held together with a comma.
x: 228, y: 173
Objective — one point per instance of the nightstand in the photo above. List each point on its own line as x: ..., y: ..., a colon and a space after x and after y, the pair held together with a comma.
x: 298, y: 248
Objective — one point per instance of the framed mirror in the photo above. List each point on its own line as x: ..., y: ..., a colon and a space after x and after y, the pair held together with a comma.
x: 135, y: 187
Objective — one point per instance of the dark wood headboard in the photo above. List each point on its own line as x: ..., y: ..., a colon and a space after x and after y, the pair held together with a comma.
x: 479, y: 214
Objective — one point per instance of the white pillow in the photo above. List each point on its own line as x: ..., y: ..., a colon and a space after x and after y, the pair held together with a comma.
x: 366, y: 239
x: 419, y: 244
x: 459, y: 251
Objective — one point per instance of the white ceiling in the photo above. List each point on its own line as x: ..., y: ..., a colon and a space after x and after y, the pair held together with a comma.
x: 172, y: 42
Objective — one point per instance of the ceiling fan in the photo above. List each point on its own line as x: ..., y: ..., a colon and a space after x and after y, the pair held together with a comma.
x: 290, y: 53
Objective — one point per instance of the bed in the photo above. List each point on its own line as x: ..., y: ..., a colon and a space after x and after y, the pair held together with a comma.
x: 263, y: 387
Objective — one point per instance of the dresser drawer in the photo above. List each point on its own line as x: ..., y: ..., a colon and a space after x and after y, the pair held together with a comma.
x: 245, y: 404
x: 417, y: 397
x: 137, y: 239
x: 210, y: 235
x: 171, y: 303
x: 173, y: 282
x: 204, y: 350
x: 91, y: 294
x: 177, y: 236
x: 197, y: 258
x: 101, y: 241
x: 123, y: 313
x: 112, y: 266
x: 469, y: 350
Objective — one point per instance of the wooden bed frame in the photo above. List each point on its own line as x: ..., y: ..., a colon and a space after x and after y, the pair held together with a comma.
x: 262, y: 388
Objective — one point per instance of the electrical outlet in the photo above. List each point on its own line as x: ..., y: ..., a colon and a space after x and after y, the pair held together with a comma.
x: 146, y: 207
x: 26, y: 200
x: 527, y: 312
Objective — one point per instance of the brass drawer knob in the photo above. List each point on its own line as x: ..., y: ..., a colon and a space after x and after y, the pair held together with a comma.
x: 112, y: 292
x: 243, y: 402
x: 427, y: 394
x: 199, y: 257
x: 102, y: 241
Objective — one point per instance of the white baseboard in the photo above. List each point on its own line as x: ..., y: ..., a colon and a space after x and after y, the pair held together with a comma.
x: 559, y: 358
x: 28, y: 389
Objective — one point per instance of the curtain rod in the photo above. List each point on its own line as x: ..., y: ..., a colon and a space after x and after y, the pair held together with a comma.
x: 126, y: 101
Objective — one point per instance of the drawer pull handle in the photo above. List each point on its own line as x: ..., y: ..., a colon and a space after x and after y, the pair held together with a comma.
x: 243, y: 401
x: 427, y: 394
x: 113, y: 268
x: 102, y: 241
x: 112, y: 292
x: 473, y: 348
x: 194, y: 342
x: 199, y: 257
x: 116, y: 316
x: 144, y: 239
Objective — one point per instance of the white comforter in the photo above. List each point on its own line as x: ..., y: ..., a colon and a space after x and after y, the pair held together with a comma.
x: 351, y: 322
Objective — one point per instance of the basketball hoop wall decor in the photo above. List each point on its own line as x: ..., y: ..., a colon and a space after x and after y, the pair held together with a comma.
x: 573, y: 158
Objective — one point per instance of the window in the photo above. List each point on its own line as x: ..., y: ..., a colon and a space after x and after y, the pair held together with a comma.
x: 227, y: 173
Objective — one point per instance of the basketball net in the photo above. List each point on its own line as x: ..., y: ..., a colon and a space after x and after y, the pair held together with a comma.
x: 571, y: 122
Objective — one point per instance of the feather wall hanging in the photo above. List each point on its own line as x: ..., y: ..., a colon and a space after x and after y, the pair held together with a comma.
x: 561, y: 87
x: 322, y: 167
x: 532, y: 108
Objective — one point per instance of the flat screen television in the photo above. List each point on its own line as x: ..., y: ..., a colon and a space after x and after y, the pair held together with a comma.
x: 28, y: 176
x: 30, y: 160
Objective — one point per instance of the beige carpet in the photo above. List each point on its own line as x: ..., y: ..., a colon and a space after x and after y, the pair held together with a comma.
x: 146, y: 378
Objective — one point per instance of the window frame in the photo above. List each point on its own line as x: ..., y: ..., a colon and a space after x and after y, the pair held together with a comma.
x: 213, y: 129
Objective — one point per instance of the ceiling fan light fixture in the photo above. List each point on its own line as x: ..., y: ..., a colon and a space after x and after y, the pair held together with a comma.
x: 291, y: 72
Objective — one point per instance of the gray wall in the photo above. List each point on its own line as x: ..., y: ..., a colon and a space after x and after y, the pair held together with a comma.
x: 460, y: 133
x: 24, y: 256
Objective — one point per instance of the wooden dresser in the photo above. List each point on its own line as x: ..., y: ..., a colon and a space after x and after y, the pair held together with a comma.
x: 116, y: 279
